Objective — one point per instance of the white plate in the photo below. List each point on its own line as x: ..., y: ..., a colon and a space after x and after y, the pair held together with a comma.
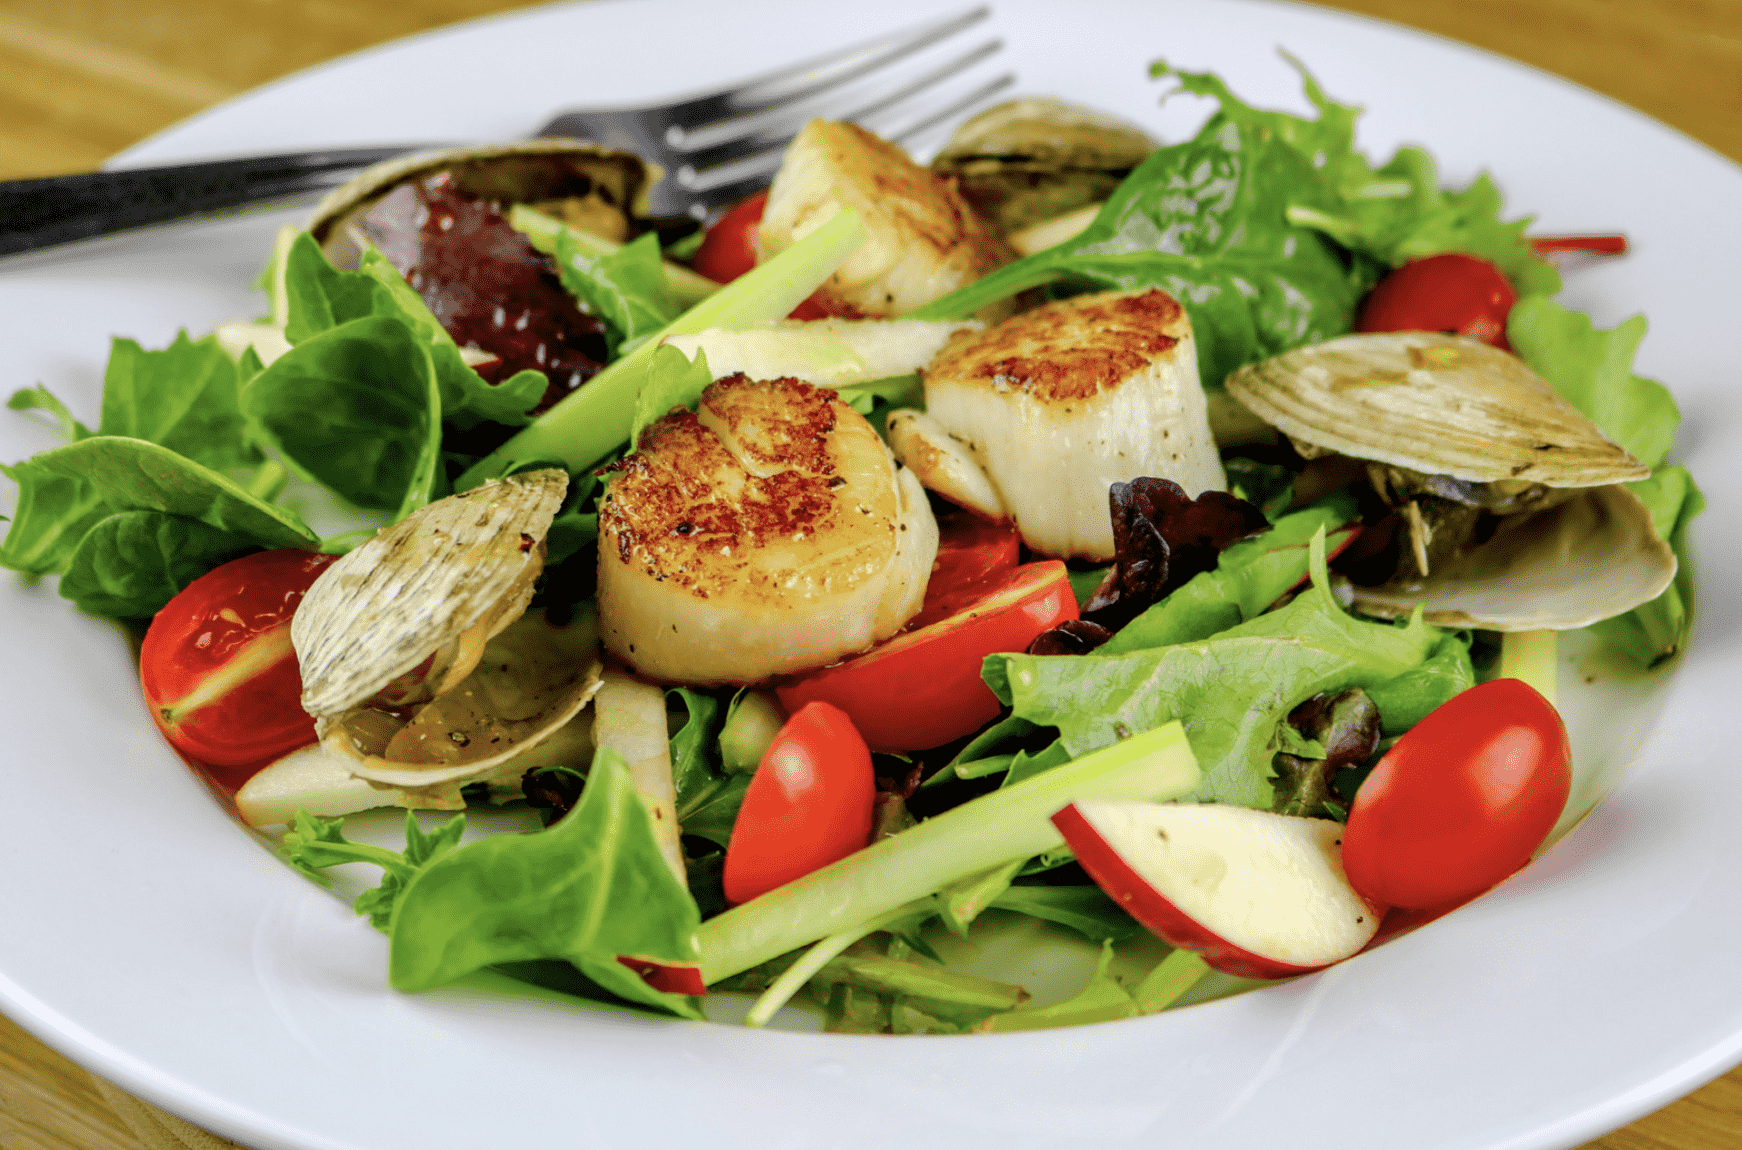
x: 149, y: 938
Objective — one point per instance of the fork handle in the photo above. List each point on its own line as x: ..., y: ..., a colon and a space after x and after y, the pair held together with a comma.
x: 59, y: 209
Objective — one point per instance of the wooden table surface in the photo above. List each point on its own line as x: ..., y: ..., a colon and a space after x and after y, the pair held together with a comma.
x: 82, y: 79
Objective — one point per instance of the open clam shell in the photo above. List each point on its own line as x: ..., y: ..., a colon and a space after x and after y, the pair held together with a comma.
x: 412, y: 661
x: 1587, y: 559
x: 1433, y: 403
x: 1473, y: 425
x: 582, y: 182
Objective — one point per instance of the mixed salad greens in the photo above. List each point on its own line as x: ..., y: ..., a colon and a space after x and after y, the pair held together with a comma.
x: 1270, y: 228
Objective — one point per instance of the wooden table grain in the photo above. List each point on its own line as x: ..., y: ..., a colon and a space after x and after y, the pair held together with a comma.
x: 82, y: 79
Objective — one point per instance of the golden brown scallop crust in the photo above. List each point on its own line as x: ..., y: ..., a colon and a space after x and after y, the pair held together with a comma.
x: 706, y: 498
x: 1066, y: 350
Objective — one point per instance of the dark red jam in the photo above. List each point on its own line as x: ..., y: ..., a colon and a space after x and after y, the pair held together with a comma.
x: 487, y: 285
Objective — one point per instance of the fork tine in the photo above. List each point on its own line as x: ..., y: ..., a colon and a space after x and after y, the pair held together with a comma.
x: 774, y: 136
x: 797, y: 82
x: 955, y: 107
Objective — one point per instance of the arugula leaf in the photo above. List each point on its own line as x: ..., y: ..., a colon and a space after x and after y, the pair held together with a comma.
x: 592, y: 889
x: 313, y: 844
x: 131, y: 564
x: 356, y: 408
x: 1084, y: 909
x: 692, y: 747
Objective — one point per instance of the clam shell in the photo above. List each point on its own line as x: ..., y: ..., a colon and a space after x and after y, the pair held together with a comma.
x: 1594, y: 556
x: 381, y: 610
x: 522, y: 172
x: 1433, y: 403
x: 1030, y: 160
x: 515, y: 712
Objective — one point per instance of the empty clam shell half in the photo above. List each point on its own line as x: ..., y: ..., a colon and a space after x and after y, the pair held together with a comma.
x: 1592, y: 557
x: 1437, y: 404
x: 561, y: 174
x: 448, y: 576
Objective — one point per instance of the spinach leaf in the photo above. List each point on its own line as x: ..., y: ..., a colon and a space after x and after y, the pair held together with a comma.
x: 591, y: 890
x: 54, y: 511
x: 131, y: 474
x: 1207, y: 221
x: 321, y: 298
x: 356, y: 408
x: 131, y: 564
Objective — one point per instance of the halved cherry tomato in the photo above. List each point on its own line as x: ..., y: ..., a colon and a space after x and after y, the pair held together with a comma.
x: 971, y: 552
x: 1451, y: 293
x: 923, y: 688
x: 217, y: 667
x: 1461, y: 801
x: 729, y: 249
x: 808, y: 804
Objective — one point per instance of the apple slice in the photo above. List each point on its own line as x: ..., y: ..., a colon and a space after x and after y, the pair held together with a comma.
x: 312, y: 779
x: 1258, y: 894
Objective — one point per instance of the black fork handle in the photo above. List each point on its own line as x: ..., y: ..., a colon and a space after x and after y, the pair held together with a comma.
x: 60, y: 209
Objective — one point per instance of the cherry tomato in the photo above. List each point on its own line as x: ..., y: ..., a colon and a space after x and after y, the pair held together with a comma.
x: 923, y: 688
x: 809, y: 804
x: 217, y: 667
x: 1451, y: 293
x: 1461, y: 801
x: 729, y: 248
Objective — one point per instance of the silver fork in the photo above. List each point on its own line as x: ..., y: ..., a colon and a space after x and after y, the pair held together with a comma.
x: 716, y: 147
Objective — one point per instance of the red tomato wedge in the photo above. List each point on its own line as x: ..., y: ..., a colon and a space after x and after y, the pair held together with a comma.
x: 809, y: 804
x: 923, y: 687
x: 1461, y: 801
x: 217, y: 667
x: 1451, y: 292
x: 971, y: 552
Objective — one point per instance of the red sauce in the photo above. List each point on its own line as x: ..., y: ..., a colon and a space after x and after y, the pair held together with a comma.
x: 487, y: 285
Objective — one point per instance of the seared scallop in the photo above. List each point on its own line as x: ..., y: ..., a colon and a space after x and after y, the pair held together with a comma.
x: 1059, y: 403
x: 767, y: 532
x: 923, y: 240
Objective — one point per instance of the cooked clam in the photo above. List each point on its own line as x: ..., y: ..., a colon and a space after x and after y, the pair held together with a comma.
x: 601, y: 190
x: 1508, y: 512
x: 417, y: 662
x: 1031, y: 160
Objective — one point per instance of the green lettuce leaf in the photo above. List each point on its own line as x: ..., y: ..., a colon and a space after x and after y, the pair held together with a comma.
x: 185, y: 397
x: 1593, y: 370
x: 670, y: 380
x: 1230, y: 692
x: 313, y: 844
x: 626, y: 289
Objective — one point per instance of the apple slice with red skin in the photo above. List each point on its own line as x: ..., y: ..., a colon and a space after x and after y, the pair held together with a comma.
x: 923, y: 688
x: 1257, y: 894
